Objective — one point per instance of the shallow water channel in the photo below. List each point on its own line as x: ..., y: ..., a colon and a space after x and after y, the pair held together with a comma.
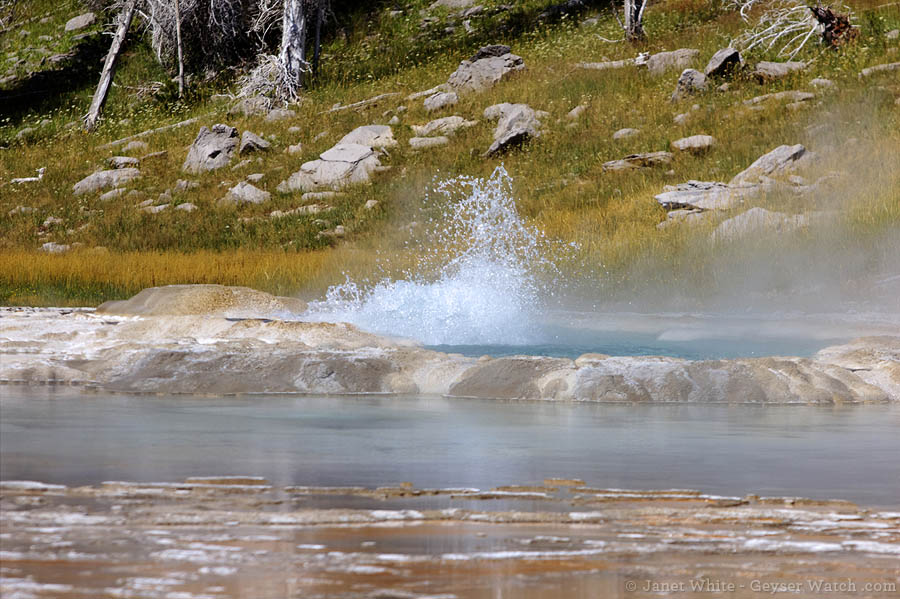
x: 80, y: 437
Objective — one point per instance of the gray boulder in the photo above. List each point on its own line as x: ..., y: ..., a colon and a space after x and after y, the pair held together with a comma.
x: 55, y: 248
x: 440, y: 100
x: 516, y: 124
x: 122, y: 161
x: 757, y: 222
x: 251, y: 142
x: 636, y: 161
x: 695, y: 144
x: 705, y: 195
x: 723, y: 63
x: 342, y: 165
x: 690, y: 82
x: 423, y: 143
x: 444, y: 126
x: 770, y: 71
x: 782, y: 160
x: 485, y: 72
x: 212, y: 149
x: 661, y: 62
x: 374, y: 136
x: 105, y: 180
x: 245, y: 193
x: 81, y: 21
x: 626, y: 132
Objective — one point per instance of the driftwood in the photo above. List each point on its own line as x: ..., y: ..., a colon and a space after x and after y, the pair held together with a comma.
x: 125, y: 140
x: 180, y: 52
x: 109, y: 67
x: 363, y: 103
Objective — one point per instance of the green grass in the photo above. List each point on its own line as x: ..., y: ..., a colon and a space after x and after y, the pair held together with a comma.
x: 559, y: 181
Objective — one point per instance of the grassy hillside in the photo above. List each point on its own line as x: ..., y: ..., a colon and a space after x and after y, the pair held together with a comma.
x: 559, y: 181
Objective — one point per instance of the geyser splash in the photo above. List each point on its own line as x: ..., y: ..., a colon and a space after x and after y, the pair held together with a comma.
x: 476, y: 281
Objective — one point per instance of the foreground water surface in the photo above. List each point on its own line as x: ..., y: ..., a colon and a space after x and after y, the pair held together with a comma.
x: 73, y: 437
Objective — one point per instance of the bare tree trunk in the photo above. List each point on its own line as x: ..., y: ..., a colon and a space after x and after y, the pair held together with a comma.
x: 634, y: 16
x: 180, y: 49
x: 109, y: 67
x: 293, y: 45
x: 320, y: 16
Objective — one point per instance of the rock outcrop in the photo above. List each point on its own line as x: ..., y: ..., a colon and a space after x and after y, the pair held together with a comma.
x: 443, y: 126
x: 251, y: 142
x: 342, y: 165
x: 780, y: 161
x: 758, y: 222
x: 695, y: 144
x: 245, y: 193
x: 770, y: 71
x: 209, y: 300
x: 212, y: 149
x: 723, y: 63
x: 659, y: 63
x: 690, y: 82
x: 105, y: 180
x: 374, y: 136
x: 488, y: 66
x: 516, y: 124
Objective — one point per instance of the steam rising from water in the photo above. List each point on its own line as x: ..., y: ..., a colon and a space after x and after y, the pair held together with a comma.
x: 475, y: 282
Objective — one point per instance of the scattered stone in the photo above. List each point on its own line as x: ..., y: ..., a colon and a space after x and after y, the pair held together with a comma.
x: 881, y: 68
x: 255, y: 177
x: 136, y: 146
x: 337, y: 167
x: 444, y: 126
x: 300, y: 211
x: 822, y: 83
x: 395, y: 120
x: 186, y: 207
x: 122, y: 161
x: 723, y: 63
x: 51, y: 221
x: 112, y: 194
x: 423, y: 143
x: 155, y: 155
x: 212, y: 149
x: 81, y: 21
x: 792, y: 95
x: 294, y: 129
x: 252, y: 106
x: 320, y: 135
x: 636, y: 161
x: 782, y: 160
x: 441, y: 100
x: 690, y: 82
x: 26, y: 134
x: 155, y: 209
x: 145, y: 203
x: 705, y: 195
x: 682, y: 119
x: 280, y: 114
x: 313, y: 196
x: 770, y: 71
x: 755, y: 222
x: 374, y: 136
x: 251, y: 142
x: 516, y: 124
x: 105, y: 180
x: 724, y: 87
x: 486, y: 70
x: 684, y: 217
x: 576, y: 112
x: 659, y: 63
x: 892, y: 34
x: 695, y: 144
x: 371, y: 204
x: 55, y: 248
x: 626, y: 132
x: 245, y: 193
x: 242, y: 164
x: 185, y: 185
x: 443, y: 87
x: 295, y: 149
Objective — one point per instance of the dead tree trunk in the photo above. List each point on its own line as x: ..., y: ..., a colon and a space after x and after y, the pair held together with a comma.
x: 109, y: 67
x: 320, y: 17
x: 293, y: 46
x: 180, y: 49
x: 634, y: 16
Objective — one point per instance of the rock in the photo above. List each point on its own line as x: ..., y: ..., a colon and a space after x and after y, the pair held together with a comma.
x: 374, y: 136
x: 483, y: 73
x: 636, y: 161
x: 251, y: 142
x: 81, y: 21
x: 626, y: 132
x: 55, y: 248
x: 155, y: 209
x: 245, y: 193
x: 136, y: 146
x: 280, y: 114
x: 695, y: 144
x: 26, y: 134
x: 155, y: 155
x: 756, y: 222
x: 252, y: 106
x: 371, y: 204
x: 242, y: 164
x: 185, y: 185
x: 337, y: 167
x: 516, y: 124
x: 186, y: 207
x: 112, y: 194
x: 576, y: 112
x: 105, y: 180
x: 440, y: 100
x: 212, y: 149
x: 300, y: 210
x: 690, y: 82
x: 659, y: 63
x: 444, y: 126
x: 892, y: 34
x: 791, y: 95
x: 881, y: 68
x: 682, y: 119
x: 684, y: 216
x: 823, y: 83
x: 185, y: 300
x: 769, y: 71
x: 723, y: 63
x: 423, y: 143
x: 51, y: 221
x: 705, y: 195
x: 451, y: 4
x: 122, y: 161
x: 781, y: 160
x: 312, y: 196
x: 255, y: 177
x: 395, y: 120
x: 491, y: 51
